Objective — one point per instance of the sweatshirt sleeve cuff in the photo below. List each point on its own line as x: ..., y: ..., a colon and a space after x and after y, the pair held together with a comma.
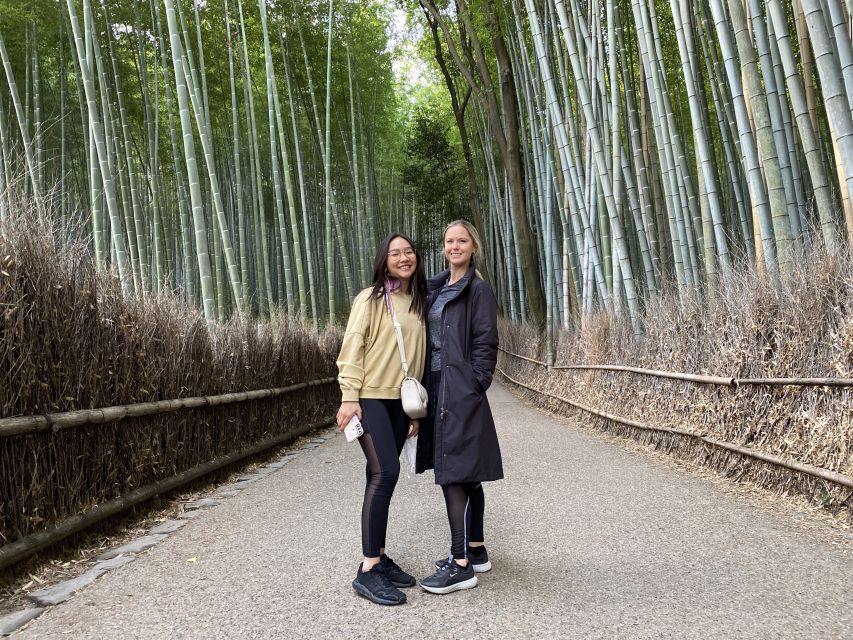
x: 349, y: 395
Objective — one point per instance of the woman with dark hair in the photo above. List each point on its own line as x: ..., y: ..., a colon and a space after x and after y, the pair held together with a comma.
x: 463, y: 444
x: 370, y: 374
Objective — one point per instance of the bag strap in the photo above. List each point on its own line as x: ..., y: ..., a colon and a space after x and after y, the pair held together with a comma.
x: 399, y: 333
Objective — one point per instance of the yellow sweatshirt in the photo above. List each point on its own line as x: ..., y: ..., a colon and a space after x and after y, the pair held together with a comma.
x: 369, y: 361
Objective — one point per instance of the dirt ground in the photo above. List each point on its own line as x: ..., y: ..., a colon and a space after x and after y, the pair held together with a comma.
x: 56, y: 565
x: 46, y: 569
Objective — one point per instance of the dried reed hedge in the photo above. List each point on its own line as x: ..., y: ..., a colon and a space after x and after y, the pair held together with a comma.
x: 68, y: 340
x: 745, y: 330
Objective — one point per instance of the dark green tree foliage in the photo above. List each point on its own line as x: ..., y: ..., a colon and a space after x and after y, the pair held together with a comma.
x: 433, y: 169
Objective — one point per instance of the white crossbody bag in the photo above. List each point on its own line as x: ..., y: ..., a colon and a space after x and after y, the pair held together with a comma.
x: 412, y: 392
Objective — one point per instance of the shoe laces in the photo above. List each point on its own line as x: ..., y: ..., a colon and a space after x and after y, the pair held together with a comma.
x: 383, y: 578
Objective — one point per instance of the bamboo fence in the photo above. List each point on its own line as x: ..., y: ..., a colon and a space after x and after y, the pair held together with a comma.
x: 692, y: 377
x: 68, y: 419
x: 23, y: 548
x: 816, y: 472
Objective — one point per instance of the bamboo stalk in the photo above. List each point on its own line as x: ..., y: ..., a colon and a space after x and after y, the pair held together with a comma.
x: 806, y: 382
x: 69, y: 419
x: 688, y: 377
x: 517, y: 355
x: 25, y: 547
x: 817, y: 472
x: 697, y: 378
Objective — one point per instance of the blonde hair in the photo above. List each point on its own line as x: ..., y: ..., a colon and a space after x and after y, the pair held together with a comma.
x: 472, y: 231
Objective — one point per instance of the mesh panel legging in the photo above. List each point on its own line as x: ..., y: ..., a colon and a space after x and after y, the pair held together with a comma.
x: 385, y: 428
x: 466, y: 504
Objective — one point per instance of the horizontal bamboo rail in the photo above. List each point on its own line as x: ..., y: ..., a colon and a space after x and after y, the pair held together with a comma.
x: 20, y: 549
x: 673, y: 375
x: 817, y: 472
x: 698, y: 379
x: 69, y: 419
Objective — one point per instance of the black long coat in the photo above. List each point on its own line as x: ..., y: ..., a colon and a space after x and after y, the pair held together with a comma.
x: 458, y: 437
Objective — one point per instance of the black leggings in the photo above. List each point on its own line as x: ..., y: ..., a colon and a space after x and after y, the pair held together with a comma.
x: 466, y: 504
x: 385, y: 429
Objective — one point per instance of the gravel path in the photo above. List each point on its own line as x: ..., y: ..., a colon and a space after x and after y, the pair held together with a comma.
x: 587, y: 540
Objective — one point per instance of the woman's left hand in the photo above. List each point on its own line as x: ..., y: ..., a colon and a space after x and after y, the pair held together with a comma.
x: 414, y: 425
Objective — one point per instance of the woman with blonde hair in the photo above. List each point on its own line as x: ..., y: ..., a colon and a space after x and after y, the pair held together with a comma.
x: 463, y: 444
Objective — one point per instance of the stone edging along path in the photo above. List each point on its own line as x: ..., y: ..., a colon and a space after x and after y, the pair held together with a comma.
x: 122, y: 554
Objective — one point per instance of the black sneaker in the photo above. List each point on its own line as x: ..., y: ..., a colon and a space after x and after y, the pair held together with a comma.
x: 376, y: 587
x: 396, y: 575
x: 451, y: 577
x: 478, y: 557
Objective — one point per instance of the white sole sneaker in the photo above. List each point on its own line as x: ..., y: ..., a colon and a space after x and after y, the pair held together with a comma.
x: 470, y: 583
x: 482, y: 568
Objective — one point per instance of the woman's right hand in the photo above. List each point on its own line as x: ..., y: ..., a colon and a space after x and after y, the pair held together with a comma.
x: 349, y: 408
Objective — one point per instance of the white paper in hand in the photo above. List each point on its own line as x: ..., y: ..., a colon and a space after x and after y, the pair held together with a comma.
x: 353, y: 429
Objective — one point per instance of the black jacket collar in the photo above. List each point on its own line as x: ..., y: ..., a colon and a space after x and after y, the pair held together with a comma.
x: 438, y: 281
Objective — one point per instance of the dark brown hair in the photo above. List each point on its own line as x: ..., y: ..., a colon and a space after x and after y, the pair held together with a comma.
x: 417, y: 285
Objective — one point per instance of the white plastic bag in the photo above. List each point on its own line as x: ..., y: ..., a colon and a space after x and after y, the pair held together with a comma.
x: 410, y: 450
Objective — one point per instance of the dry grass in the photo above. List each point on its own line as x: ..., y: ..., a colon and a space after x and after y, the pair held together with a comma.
x: 745, y: 330
x: 68, y: 340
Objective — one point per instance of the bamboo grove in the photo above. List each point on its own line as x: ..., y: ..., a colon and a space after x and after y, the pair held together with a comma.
x: 610, y: 151
x: 234, y: 152
x: 650, y: 145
